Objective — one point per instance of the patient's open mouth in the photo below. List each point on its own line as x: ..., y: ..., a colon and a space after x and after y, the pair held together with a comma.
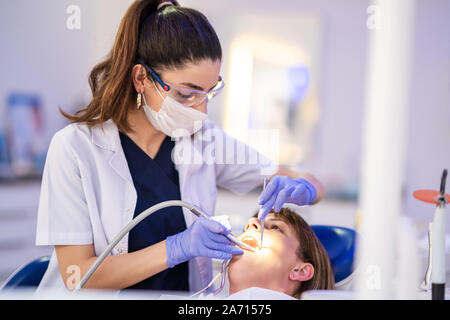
x: 251, y: 241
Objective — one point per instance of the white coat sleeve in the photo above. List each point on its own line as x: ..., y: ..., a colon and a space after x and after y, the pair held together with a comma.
x: 63, y: 215
x: 243, y: 168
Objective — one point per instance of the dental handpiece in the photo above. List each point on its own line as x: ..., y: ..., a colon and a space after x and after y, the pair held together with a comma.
x: 199, y: 213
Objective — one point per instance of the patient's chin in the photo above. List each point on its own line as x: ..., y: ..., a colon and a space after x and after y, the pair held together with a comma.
x: 242, y: 262
x: 236, y: 269
x: 242, y: 273
x: 236, y: 257
x: 239, y: 261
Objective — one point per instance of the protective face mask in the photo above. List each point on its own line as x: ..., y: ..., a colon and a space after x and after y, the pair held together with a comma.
x: 174, y: 119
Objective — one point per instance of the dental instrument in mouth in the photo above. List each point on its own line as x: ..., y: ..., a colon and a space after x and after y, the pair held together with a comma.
x: 262, y: 221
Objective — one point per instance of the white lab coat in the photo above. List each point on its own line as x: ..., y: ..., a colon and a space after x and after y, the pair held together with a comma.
x: 88, y: 196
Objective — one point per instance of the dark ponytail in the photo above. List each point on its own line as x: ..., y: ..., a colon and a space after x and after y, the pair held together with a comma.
x: 164, y: 39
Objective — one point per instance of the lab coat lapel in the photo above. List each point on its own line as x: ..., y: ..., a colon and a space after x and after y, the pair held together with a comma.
x: 109, y: 139
x: 119, y: 163
x: 188, y: 159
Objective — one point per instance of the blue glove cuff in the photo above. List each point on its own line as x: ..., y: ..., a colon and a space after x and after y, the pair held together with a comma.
x: 310, y: 187
x: 174, y: 250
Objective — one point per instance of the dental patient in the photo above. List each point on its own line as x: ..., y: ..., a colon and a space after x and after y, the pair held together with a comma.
x: 291, y: 259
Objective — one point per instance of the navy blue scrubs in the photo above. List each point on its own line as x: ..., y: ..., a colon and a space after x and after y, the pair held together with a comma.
x: 156, y: 180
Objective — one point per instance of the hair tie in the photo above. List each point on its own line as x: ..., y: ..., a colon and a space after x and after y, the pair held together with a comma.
x: 167, y: 3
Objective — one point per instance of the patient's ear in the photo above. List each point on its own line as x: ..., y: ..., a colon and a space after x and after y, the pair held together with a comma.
x: 302, y: 271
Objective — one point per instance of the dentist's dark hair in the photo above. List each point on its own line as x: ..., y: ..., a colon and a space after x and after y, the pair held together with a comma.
x: 165, y: 38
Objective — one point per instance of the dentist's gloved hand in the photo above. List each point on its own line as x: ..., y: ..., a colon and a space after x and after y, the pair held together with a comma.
x: 283, y: 189
x: 203, y: 239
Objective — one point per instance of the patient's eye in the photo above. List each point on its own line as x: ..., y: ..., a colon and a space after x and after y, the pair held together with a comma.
x: 273, y: 226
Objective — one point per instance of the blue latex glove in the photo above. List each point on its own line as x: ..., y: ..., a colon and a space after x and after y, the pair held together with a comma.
x: 203, y: 239
x: 282, y: 189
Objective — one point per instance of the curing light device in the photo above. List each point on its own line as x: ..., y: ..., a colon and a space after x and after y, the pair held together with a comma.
x: 436, y: 235
x: 172, y: 203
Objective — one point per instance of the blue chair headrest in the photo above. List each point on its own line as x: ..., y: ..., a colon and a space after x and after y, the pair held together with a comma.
x: 339, y: 242
x: 29, y: 275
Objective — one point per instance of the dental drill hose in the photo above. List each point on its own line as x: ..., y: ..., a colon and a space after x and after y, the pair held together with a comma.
x: 131, y: 225
x: 172, y: 203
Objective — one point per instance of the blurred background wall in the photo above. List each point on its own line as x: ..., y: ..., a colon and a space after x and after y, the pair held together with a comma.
x: 43, y: 57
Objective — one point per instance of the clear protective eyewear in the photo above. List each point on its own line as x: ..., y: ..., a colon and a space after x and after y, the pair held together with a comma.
x: 185, y: 96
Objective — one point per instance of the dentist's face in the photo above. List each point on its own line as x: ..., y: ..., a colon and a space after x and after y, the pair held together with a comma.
x: 201, y: 75
x: 271, y: 264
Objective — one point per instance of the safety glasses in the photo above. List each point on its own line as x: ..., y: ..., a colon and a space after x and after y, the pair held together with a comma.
x: 185, y: 96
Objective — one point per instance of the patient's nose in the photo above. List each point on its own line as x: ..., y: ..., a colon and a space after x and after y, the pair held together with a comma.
x: 253, y: 224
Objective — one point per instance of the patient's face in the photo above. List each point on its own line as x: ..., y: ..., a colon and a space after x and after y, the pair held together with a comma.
x: 269, y: 266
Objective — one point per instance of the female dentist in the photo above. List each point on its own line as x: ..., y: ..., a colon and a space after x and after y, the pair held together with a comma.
x: 118, y: 157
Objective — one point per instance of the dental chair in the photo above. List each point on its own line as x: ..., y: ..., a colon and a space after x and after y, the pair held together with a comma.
x: 29, y: 275
x: 339, y: 242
